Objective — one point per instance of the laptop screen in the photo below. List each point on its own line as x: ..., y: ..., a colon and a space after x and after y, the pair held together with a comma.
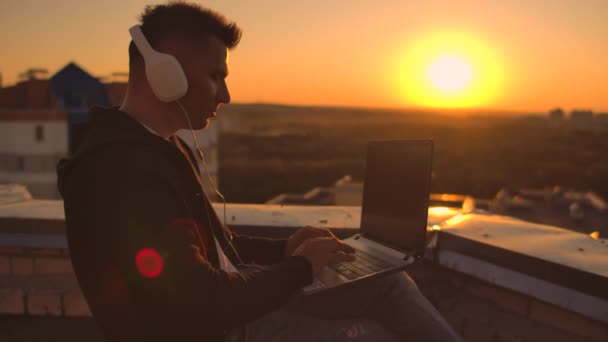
x: 396, y: 193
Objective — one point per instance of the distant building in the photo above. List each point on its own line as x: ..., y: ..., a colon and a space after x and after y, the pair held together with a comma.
x: 33, y: 134
x: 602, y: 118
x: 31, y: 144
x: 556, y: 114
x: 345, y: 192
x: 581, y: 115
x: 316, y: 196
x: 585, y: 212
x: 582, y: 119
x: 43, y: 120
x: 76, y: 91
x: 581, y: 211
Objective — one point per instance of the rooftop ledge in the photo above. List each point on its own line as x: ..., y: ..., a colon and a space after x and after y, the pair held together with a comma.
x: 555, y: 265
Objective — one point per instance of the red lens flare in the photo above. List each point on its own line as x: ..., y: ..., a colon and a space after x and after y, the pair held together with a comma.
x: 149, y: 263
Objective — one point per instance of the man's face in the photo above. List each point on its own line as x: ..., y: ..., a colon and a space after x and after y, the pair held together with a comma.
x: 206, y: 68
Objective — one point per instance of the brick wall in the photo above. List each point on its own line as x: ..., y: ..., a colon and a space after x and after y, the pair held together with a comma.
x: 38, y: 291
x: 39, y: 282
x: 481, y: 311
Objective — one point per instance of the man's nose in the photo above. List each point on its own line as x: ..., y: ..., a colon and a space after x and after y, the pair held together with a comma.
x: 223, y: 94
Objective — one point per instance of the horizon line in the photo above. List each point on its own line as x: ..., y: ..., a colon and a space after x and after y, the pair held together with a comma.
x: 473, y: 110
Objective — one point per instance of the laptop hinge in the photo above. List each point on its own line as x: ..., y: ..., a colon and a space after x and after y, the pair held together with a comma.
x: 409, y: 256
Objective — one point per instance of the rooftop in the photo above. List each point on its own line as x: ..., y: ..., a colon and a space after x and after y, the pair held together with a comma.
x: 539, y: 266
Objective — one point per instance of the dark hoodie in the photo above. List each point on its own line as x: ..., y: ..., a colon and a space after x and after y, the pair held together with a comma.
x: 127, y: 190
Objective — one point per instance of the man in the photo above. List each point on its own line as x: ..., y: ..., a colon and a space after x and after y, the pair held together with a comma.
x: 151, y: 256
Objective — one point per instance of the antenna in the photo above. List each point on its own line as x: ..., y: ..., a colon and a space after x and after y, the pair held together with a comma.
x: 33, y: 73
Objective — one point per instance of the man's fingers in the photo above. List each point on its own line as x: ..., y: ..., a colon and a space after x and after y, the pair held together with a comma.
x: 325, y: 232
x: 320, y: 232
x: 336, y: 245
x: 326, y: 241
x: 340, y: 256
x: 345, y: 248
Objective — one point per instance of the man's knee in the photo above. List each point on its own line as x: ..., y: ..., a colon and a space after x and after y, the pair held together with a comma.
x: 387, y: 284
x: 400, y: 280
x: 407, y: 280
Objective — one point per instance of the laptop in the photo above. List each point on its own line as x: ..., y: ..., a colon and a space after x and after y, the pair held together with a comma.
x: 394, y: 214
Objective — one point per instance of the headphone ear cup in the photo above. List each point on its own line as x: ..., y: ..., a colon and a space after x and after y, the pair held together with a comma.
x: 166, y: 77
x: 164, y: 73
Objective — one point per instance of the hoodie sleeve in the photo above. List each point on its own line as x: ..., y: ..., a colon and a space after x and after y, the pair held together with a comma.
x: 163, y: 263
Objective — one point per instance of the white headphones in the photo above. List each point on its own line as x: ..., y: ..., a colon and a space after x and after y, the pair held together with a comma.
x: 164, y: 73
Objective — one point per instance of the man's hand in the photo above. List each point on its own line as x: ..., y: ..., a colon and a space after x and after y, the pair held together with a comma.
x: 304, y: 234
x: 323, y: 251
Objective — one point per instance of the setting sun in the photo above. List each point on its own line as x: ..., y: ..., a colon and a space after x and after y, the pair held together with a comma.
x: 450, y: 74
x: 452, y: 70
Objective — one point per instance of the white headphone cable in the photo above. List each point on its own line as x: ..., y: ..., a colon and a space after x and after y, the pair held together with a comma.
x: 200, y: 154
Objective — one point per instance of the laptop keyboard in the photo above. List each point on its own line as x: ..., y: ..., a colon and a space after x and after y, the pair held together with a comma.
x: 364, y: 264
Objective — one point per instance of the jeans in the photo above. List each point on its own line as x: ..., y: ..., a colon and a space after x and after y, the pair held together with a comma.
x: 388, y: 308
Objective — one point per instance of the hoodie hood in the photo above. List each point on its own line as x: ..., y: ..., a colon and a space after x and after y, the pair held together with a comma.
x: 108, y: 128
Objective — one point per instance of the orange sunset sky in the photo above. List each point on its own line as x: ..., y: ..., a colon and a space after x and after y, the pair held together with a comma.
x: 510, y: 55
